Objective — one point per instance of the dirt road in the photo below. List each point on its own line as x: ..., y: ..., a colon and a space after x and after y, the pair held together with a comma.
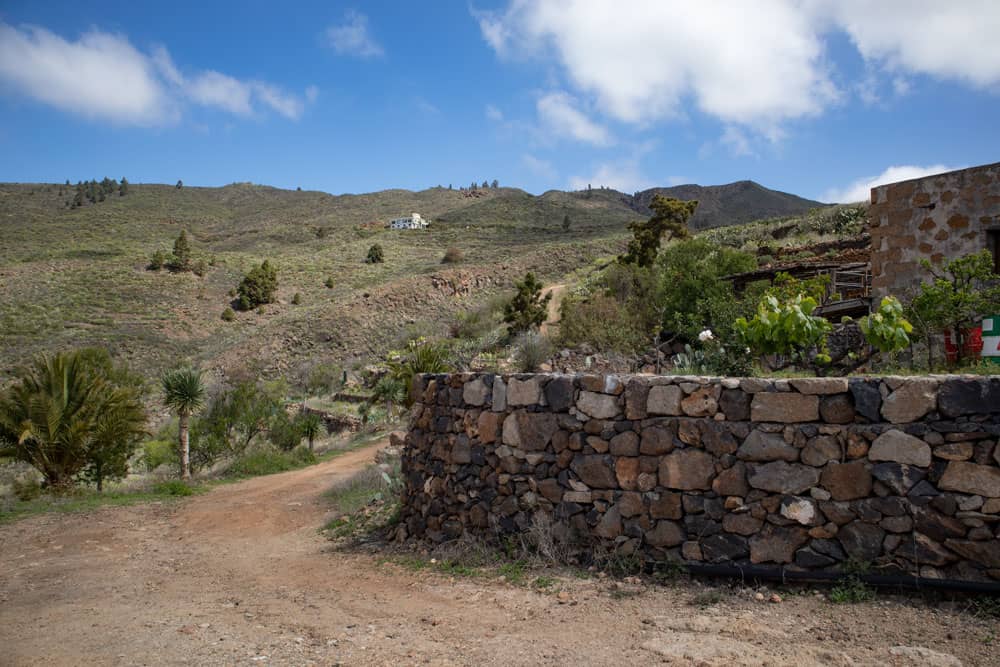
x: 240, y: 575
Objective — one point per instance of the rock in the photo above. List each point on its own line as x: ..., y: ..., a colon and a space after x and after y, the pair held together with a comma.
x: 774, y: 599
x: 821, y: 450
x: 666, y: 506
x: 846, y: 481
x: 801, y: 510
x: 921, y: 656
x: 897, y: 524
x: 899, y: 447
x: 625, y: 444
x: 741, y: 524
x: 665, y: 534
x: 818, y: 493
x: 530, y: 431
x: 701, y: 403
x: 910, y: 401
x: 724, y: 547
x: 559, y: 393
x: 782, y: 477
x: 397, y: 439
x: 475, y: 392
x: 735, y: 404
x: 986, y: 554
x: 627, y: 472
x: 597, y: 406
x: 646, y: 481
x: 550, y: 489
x: 716, y: 438
x: 688, y: 431
x: 857, y: 446
x: 760, y: 446
x: 387, y: 454
x: 524, y: 392
x: 991, y: 506
x: 636, y: 396
x: 595, y: 470
x: 499, y: 395
x: 691, y: 551
x: 784, y: 407
x: 819, y: 385
x: 969, y: 397
x: 867, y: 398
x: 836, y: 409
x: 488, y: 426
x: 954, y: 451
x: 664, y: 400
x: 861, y: 541
x: 810, y: 559
x: 966, y: 477
x: 461, y: 451
x: 687, y: 469
x: 732, y: 481
x: 921, y: 549
x: 755, y: 385
x: 630, y: 504
x: 610, y: 525
x: 579, y: 497
x: 777, y: 544
x: 897, y: 476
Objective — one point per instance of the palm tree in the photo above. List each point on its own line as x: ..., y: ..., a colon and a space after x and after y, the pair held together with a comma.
x: 71, y: 411
x: 183, y: 392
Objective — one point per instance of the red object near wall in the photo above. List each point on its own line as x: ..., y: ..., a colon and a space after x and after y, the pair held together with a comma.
x: 971, y: 349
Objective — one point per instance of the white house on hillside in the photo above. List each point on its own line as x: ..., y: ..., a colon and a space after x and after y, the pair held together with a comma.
x: 412, y: 221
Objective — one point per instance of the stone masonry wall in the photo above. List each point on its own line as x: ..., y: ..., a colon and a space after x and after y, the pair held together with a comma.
x: 939, y: 217
x: 809, y: 474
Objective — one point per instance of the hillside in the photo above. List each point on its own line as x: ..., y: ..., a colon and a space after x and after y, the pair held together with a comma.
x: 78, y: 277
x: 75, y: 277
x: 731, y: 204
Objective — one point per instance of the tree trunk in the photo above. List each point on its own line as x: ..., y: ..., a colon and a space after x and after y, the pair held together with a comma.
x: 310, y: 442
x: 182, y: 429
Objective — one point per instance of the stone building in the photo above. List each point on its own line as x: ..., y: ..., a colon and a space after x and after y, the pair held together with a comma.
x: 938, y: 217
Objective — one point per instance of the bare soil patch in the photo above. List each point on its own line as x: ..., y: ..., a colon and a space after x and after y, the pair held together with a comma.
x: 241, y: 575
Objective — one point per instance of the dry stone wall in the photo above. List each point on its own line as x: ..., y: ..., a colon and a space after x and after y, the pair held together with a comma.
x: 808, y: 474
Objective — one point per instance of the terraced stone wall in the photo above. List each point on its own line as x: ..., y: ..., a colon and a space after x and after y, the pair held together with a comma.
x: 899, y: 473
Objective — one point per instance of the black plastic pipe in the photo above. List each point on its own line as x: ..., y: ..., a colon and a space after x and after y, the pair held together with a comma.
x: 783, y: 575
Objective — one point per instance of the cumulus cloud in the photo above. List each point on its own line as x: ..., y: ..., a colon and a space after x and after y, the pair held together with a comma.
x: 860, y: 190
x: 101, y: 75
x: 755, y: 65
x: 352, y: 37
x: 558, y: 113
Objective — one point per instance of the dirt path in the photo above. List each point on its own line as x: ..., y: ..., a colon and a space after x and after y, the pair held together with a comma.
x: 552, y: 317
x: 241, y: 576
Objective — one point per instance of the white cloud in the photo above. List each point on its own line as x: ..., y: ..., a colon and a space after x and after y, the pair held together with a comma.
x: 736, y: 141
x: 101, y: 75
x: 558, y: 113
x: 860, y: 190
x: 352, y: 37
x: 756, y: 65
x: 539, y: 167
x: 312, y: 93
x: 494, y: 114
x: 624, y: 175
x: 752, y: 63
x: 948, y: 40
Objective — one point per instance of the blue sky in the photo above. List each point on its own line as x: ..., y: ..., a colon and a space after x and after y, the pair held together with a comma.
x: 822, y: 98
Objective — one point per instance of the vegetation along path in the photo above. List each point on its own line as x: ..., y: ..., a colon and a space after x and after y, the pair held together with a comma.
x: 241, y: 575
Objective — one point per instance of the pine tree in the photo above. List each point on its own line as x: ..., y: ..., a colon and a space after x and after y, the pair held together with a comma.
x: 258, y: 287
x: 527, y: 309
x: 182, y: 253
x: 566, y: 223
x: 123, y: 187
x: 670, y: 216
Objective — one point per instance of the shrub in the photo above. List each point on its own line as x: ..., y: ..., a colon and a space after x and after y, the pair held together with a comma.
x: 531, y: 349
x: 26, y: 488
x: 200, y: 268
x: 283, y: 432
x: 528, y: 308
x: 784, y: 328
x: 173, y: 487
x: 158, y: 452
x: 670, y: 216
x: 261, y: 462
x: 182, y: 253
x: 375, y: 255
x: 297, y: 299
x: 328, y: 283
x: 452, y: 256
x: 228, y: 315
x: 258, y: 287
x: 604, y: 323
x: 157, y: 261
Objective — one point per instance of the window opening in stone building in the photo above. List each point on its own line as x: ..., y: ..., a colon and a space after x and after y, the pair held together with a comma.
x: 993, y: 243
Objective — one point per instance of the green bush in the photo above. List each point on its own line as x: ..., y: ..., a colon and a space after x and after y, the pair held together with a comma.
x: 531, y: 349
x: 157, y: 261
x: 26, y: 488
x: 258, y: 287
x: 604, y: 323
x: 297, y: 299
x: 173, y: 487
x: 157, y: 452
x: 452, y: 256
x: 527, y: 309
x: 228, y: 315
x: 328, y: 283
x: 261, y: 462
x: 375, y: 255
x: 200, y: 268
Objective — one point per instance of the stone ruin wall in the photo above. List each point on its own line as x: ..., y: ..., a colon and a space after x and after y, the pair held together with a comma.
x: 798, y: 474
x: 946, y: 216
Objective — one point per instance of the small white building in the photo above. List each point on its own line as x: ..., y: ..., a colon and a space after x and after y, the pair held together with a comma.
x: 412, y: 221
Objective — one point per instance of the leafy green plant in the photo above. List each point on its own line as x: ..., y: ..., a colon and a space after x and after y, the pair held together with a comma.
x: 296, y: 299
x: 420, y: 356
x: 886, y: 329
x: 376, y: 255
x: 228, y: 315
x: 181, y: 258
x: 158, y: 452
x: 157, y: 261
x: 787, y: 328
x: 173, y: 487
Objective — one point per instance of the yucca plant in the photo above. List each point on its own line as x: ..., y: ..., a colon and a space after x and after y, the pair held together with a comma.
x: 184, y: 393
